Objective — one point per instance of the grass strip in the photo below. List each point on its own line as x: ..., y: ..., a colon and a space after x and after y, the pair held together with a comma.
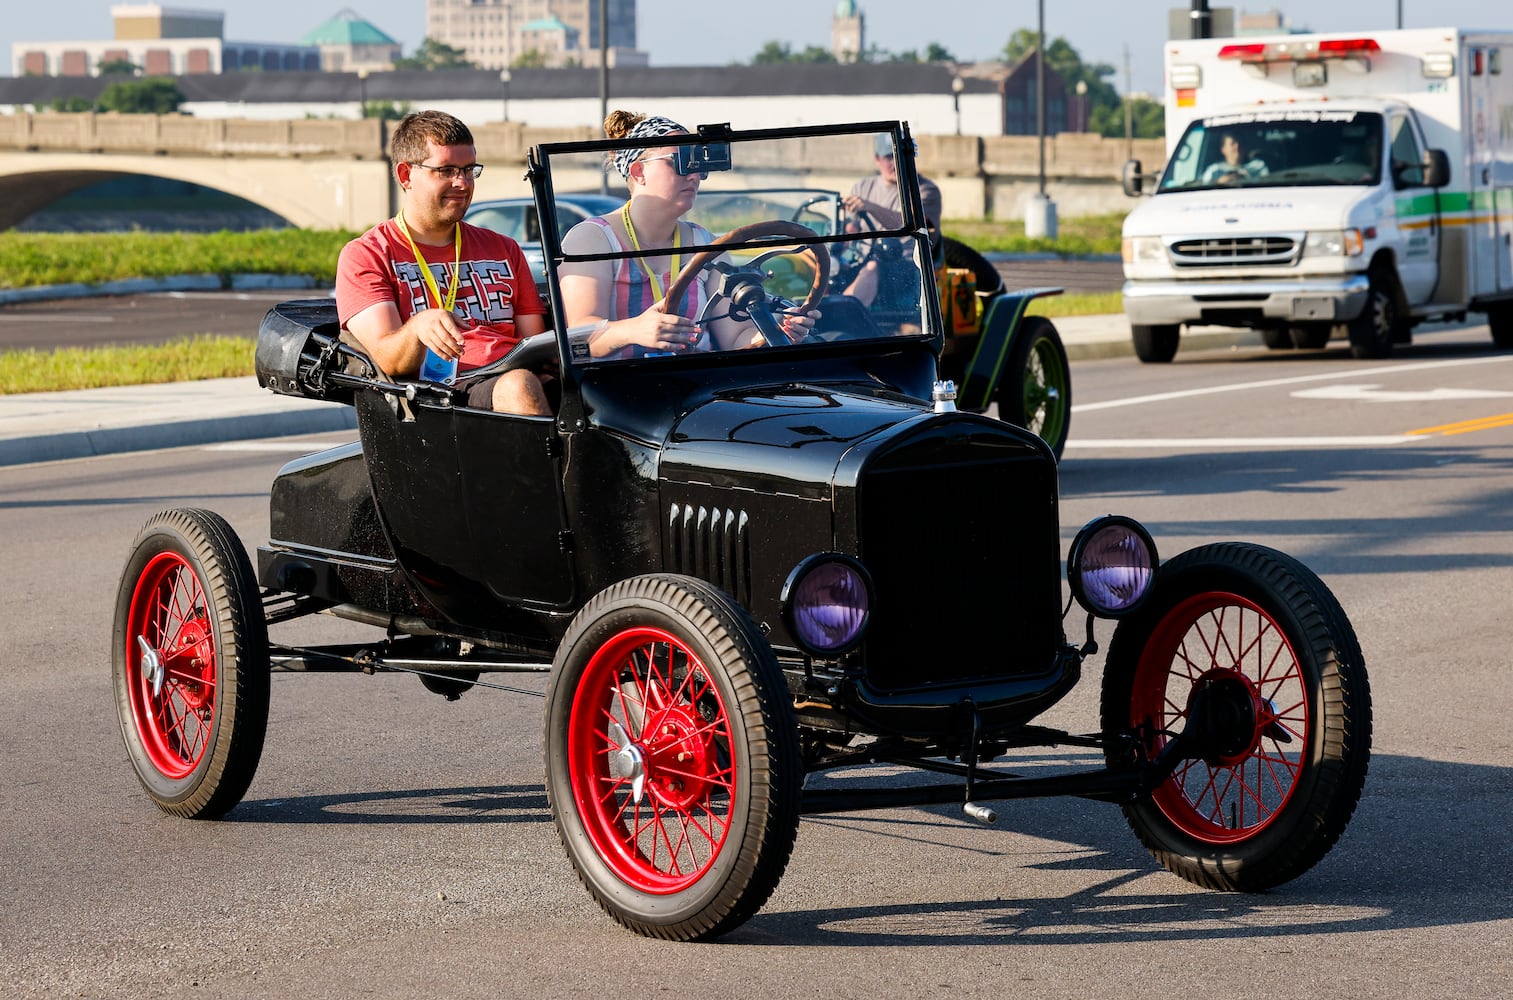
x: 185, y: 359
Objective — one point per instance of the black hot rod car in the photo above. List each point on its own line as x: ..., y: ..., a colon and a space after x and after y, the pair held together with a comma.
x: 729, y: 565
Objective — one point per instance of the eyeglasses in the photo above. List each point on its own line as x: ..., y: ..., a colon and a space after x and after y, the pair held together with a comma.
x: 450, y: 173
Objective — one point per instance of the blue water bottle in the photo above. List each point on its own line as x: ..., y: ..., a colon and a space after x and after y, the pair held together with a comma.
x: 435, y: 368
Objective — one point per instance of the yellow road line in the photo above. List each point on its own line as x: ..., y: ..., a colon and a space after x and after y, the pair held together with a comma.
x: 1467, y: 426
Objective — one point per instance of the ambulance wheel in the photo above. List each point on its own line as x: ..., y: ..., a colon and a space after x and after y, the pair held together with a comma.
x: 1155, y: 344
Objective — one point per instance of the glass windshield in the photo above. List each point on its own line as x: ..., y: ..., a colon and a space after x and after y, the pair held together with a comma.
x: 723, y: 246
x: 1277, y: 149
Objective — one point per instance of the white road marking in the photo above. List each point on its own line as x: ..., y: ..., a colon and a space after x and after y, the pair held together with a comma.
x: 1376, y: 394
x: 1378, y: 372
x: 1226, y: 444
x: 47, y: 317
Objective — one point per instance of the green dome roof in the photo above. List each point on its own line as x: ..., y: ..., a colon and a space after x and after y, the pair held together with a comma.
x: 346, y: 28
x: 845, y: 8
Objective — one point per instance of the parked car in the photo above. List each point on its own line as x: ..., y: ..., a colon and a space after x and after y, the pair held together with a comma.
x: 517, y: 219
x: 737, y: 568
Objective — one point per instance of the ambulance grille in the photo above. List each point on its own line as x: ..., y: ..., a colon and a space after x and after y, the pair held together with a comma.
x: 1234, y: 251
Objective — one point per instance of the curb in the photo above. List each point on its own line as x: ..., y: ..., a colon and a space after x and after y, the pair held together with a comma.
x: 151, y: 437
x: 176, y: 283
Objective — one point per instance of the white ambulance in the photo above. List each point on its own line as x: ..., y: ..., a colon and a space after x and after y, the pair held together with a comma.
x: 1334, y: 183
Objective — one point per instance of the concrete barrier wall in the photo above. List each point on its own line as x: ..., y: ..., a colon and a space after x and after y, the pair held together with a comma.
x: 980, y: 177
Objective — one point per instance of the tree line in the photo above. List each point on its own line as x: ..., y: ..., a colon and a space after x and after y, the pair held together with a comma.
x: 1106, y: 109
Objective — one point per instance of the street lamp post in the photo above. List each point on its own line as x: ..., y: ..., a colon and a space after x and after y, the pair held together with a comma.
x: 362, y: 92
x: 504, y: 83
x: 1040, y: 217
x: 1082, y: 116
x: 957, y: 86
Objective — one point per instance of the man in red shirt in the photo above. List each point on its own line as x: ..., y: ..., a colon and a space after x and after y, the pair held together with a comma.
x: 426, y: 280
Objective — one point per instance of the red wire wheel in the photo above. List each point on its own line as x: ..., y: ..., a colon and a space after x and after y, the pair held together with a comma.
x: 1226, y: 644
x: 1247, y: 651
x: 171, y: 670
x: 650, y: 761
x: 190, y: 662
x: 672, y: 759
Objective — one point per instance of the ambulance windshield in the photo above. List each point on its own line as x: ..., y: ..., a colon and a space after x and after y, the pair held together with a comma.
x: 1278, y: 149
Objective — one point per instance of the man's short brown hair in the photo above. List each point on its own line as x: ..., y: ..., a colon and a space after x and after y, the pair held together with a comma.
x: 408, y: 144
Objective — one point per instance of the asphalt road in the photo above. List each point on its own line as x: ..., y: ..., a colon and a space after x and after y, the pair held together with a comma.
x: 394, y: 844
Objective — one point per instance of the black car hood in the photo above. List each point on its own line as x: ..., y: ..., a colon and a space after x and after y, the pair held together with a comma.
x: 784, y: 439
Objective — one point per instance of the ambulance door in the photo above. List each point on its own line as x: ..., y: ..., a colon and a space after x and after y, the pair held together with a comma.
x: 1418, y: 209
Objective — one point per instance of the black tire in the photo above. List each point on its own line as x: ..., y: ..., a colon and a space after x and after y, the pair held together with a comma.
x: 190, y: 663
x: 1276, y: 338
x: 1310, y: 336
x: 1035, y: 387
x: 1260, y: 633
x: 959, y: 255
x: 1500, y: 322
x: 1381, y: 323
x: 1155, y: 344
x: 718, y: 757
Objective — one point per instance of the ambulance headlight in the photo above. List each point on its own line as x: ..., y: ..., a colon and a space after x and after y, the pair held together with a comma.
x: 1143, y: 250
x: 1111, y: 565
x: 1333, y: 243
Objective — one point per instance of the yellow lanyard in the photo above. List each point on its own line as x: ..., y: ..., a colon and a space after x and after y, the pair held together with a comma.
x: 677, y: 259
x: 425, y: 269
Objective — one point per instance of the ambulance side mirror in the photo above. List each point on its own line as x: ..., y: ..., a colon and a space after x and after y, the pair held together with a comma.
x: 1132, y: 178
x: 1436, y: 168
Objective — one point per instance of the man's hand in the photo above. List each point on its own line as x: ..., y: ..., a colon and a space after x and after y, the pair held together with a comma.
x: 437, y: 329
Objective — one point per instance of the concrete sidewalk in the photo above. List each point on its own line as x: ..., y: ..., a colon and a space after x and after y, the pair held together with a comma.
x: 47, y: 426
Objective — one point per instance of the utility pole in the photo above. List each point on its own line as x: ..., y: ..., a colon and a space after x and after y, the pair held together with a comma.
x: 1203, y: 20
x: 603, y: 78
x: 1129, y: 112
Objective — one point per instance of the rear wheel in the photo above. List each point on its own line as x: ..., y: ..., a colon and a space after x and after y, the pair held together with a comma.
x: 672, y: 758
x: 1248, y: 650
x: 190, y: 663
x: 1035, y: 391
x: 1155, y: 344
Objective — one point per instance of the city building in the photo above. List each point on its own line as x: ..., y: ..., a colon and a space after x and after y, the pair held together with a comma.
x: 161, y: 41
x: 349, y: 44
x: 497, y: 34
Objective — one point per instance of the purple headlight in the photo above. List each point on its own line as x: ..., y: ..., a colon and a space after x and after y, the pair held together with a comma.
x: 826, y: 604
x: 1111, y: 565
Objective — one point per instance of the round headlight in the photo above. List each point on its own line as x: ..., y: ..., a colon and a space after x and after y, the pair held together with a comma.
x: 827, y: 601
x: 1111, y: 566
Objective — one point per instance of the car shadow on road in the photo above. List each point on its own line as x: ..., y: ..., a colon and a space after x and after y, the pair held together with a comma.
x: 1426, y: 848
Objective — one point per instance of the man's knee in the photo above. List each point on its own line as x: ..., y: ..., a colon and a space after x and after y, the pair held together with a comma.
x: 520, y: 391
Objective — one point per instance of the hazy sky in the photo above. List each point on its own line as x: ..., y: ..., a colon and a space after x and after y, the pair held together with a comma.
x: 678, y: 33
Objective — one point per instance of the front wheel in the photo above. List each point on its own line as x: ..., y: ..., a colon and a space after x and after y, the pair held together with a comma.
x: 1035, y: 391
x: 1155, y: 344
x: 1246, y: 648
x: 190, y: 663
x: 672, y: 758
x: 1500, y: 323
x: 1380, y: 323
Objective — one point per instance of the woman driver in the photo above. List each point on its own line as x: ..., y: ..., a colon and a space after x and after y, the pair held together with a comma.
x: 626, y: 298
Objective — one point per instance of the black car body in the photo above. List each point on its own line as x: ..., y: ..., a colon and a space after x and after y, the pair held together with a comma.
x: 733, y: 566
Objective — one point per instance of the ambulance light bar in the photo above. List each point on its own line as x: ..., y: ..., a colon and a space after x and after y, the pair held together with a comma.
x: 1297, y: 51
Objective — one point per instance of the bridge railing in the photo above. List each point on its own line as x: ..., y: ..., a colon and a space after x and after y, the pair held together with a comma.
x: 1067, y: 155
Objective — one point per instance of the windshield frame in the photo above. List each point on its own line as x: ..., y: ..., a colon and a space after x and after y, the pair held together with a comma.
x: 542, y: 159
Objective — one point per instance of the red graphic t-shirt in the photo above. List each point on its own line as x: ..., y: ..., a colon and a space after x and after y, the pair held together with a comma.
x: 494, y: 287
